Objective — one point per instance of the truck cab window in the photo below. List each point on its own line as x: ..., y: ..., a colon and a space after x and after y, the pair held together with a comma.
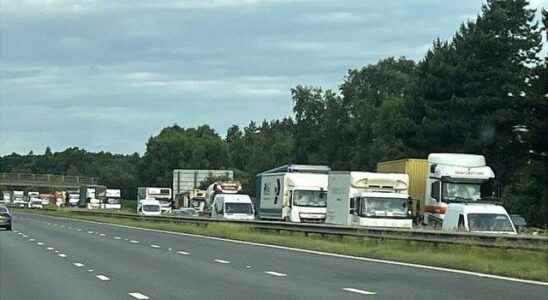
x: 435, y: 190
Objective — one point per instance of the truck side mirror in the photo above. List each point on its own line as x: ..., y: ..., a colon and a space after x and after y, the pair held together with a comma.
x: 351, y: 211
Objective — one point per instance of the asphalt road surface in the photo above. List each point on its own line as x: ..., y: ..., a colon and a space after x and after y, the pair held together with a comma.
x: 52, y: 258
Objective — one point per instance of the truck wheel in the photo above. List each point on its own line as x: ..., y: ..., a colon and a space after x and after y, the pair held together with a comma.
x: 8, y: 228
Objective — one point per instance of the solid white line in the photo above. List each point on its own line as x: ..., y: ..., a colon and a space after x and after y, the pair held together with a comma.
x: 63, y: 255
x: 183, y: 252
x: 390, y: 262
x: 102, y: 277
x: 154, y: 246
x: 138, y: 296
x: 359, y: 291
x: 276, y: 274
x: 221, y: 261
x: 79, y: 265
x: 134, y: 242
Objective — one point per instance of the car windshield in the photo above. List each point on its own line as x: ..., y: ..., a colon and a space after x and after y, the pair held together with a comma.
x: 310, y: 198
x: 489, y: 223
x: 392, y: 207
x: 151, y: 207
x: 238, y: 208
x: 461, y: 191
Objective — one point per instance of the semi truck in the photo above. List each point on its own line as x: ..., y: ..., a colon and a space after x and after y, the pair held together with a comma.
x: 163, y: 195
x: 295, y: 193
x: 73, y: 197
x: 441, y: 179
x: 368, y: 199
x: 185, y: 180
x: 112, y: 199
x: 91, y: 196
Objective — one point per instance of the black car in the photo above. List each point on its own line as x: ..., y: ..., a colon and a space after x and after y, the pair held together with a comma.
x: 5, y: 218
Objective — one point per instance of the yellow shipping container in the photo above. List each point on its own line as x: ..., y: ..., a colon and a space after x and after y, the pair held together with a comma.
x: 417, y: 169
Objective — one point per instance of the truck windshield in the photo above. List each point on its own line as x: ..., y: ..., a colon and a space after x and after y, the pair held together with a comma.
x: 310, y: 198
x: 238, y: 208
x: 113, y: 201
x: 489, y: 222
x: 151, y: 207
x: 197, y: 203
x: 453, y: 191
x: 379, y: 207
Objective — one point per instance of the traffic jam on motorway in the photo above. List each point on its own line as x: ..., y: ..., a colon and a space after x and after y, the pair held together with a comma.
x: 446, y: 191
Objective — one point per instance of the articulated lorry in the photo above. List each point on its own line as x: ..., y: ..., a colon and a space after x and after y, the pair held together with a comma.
x: 442, y: 179
x: 91, y: 196
x: 368, y: 199
x: 295, y: 193
x: 73, y: 197
x: 162, y: 195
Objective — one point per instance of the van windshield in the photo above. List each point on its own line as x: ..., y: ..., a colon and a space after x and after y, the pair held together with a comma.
x: 489, y: 222
x: 238, y: 208
x: 310, y: 198
x: 113, y: 201
x: 151, y: 208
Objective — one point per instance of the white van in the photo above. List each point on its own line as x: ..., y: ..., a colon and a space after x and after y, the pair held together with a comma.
x: 232, y: 207
x: 478, y: 217
x: 149, y: 207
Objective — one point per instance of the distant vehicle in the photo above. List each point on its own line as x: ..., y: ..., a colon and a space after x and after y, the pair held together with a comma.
x: 149, y: 207
x: 91, y: 196
x: 19, y: 199
x: 295, y: 193
x: 6, y: 198
x: 163, y: 195
x: 45, y: 199
x: 477, y: 217
x: 368, y: 199
x: 185, y: 212
x: 73, y: 197
x: 519, y: 222
x: 441, y: 179
x: 232, y: 207
x: 35, y: 202
x: 195, y: 199
x: 112, y: 200
x: 5, y: 218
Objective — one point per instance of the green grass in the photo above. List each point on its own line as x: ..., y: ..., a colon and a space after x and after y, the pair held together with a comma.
x: 524, y: 264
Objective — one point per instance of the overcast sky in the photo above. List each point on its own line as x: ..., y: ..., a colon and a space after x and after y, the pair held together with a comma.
x: 107, y: 75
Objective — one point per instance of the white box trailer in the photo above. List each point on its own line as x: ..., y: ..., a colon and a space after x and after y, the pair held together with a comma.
x: 295, y: 193
x: 368, y: 199
x: 18, y: 199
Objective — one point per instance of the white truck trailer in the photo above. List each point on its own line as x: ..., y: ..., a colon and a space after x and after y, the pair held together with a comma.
x: 163, y: 195
x: 112, y: 199
x: 295, y: 193
x: 368, y: 199
x: 19, y: 199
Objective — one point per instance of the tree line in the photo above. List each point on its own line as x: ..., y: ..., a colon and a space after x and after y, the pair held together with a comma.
x: 485, y: 91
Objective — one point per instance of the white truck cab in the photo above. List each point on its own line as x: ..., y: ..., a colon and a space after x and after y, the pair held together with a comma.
x: 35, y: 202
x: 19, y: 199
x: 453, y: 177
x: 232, y: 207
x: 149, y: 207
x: 368, y: 199
x: 477, y: 217
x: 112, y: 200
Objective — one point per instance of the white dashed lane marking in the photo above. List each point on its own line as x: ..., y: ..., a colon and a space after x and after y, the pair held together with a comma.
x: 276, y: 274
x: 91, y: 270
x: 352, y: 290
x: 154, y: 246
x: 63, y: 255
x: 183, y: 252
x: 102, y: 277
x: 221, y: 261
x: 40, y: 243
x: 117, y: 238
x: 32, y: 240
x: 138, y: 296
x: 135, y: 242
x: 102, y: 234
x: 50, y: 248
x: 79, y: 265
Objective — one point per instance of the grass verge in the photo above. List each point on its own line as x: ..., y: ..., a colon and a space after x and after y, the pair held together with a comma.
x: 523, y: 264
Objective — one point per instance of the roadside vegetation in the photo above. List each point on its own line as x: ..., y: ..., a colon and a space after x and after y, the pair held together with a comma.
x: 523, y: 264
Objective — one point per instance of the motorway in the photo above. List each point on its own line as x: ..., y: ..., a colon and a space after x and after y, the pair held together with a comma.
x: 53, y: 258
